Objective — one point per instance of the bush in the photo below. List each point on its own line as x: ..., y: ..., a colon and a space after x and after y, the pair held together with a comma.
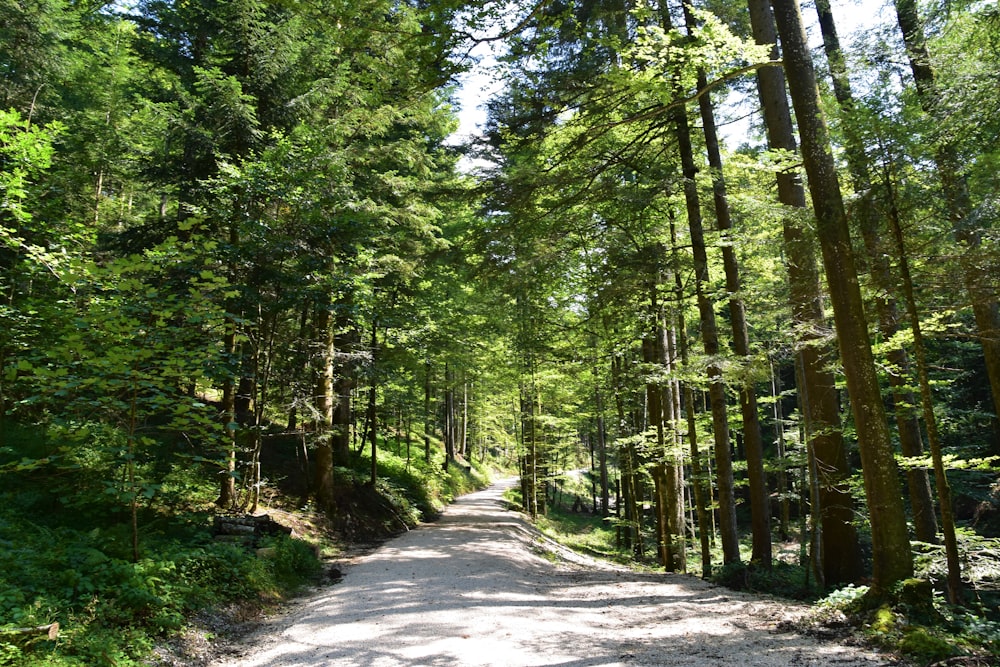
x: 783, y: 579
x: 294, y: 562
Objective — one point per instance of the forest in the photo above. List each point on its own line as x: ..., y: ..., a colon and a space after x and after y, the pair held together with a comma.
x: 738, y: 269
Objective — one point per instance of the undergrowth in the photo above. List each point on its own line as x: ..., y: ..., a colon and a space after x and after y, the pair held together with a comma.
x: 913, y: 621
x: 66, y: 547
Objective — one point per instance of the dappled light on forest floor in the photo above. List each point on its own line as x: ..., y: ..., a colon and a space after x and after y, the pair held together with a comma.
x: 483, y: 588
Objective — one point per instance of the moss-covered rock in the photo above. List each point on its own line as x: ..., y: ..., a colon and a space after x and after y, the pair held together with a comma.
x: 921, y: 643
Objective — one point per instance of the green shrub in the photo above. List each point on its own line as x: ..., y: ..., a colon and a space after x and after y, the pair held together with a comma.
x: 782, y: 579
x: 294, y: 562
x: 848, y: 599
x: 925, y: 645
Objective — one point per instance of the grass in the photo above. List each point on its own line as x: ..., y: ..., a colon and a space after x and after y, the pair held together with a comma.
x: 923, y: 633
x: 66, y: 547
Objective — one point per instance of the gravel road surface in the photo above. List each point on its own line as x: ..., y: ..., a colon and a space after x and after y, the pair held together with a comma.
x: 482, y: 587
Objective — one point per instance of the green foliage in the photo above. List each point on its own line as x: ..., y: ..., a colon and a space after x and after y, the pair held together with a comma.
x: 415, y: 490
x: 108, y: 604
x: 783, y: 579
x: 294, y: 562
x: 912, y: 620
x: 850, y: 598
x: 584, y: 532
x: 65, y: 556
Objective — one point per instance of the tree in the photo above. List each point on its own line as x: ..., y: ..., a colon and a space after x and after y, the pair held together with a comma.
x: 815, y: 381
x: 893, y: 560
x: 957, y: 201
x: 911, y: 441
x: 752, y: 438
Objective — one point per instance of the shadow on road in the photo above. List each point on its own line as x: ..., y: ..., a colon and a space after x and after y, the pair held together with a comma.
x: 473, y: 589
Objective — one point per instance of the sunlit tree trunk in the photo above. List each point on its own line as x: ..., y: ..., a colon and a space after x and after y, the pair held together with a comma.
x: 779, y: 438
x: 760, y: 511
x: 892, y: 558
x: 868, y: 218
x: 954, y: 585
x: 817, y: 387
x: 709, y: 332
x: 701, y: 491
x: 673, y: 464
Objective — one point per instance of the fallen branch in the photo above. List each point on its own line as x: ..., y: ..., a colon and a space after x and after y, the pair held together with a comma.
x: 52, y: 630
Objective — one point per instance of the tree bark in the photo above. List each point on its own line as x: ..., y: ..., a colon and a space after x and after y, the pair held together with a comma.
x: 710, y: 341
x: 372, y: 398
x: 892, y: 558
x: 940, y: 475
x: 760, y: 511
x: 867, y: 217
x: 602, y: 449
x: 324, y: 400
x: 449, y: 417
x: 346, y: 338
x: 817, y: 387
x: 673, y: 477
x: 227, y: 481
x: 701, y: 491
x: 428, y: 420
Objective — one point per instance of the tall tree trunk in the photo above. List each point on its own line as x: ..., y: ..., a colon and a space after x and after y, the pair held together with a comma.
x: 779, y: 438
x: 892, y: 558
x: 817, y: 388
x: 324, y: 401
x: 658, y: 471
x: 372, y: 397
x: 760, y: 511
x: 867, y: 217
x: 302, y: 352
x: 673, y: 477
x: 982, y: 290
x: 449, y: 417
x: 710, y: 341
x: 940, y: 475
x: 227, y: 481
x: 602, y: 449
x: 529, y: 473
x: 701, y: 490
x: 709, y: 332
x: 463, y: 440
x: 346, y: 338
x: 428, y: 417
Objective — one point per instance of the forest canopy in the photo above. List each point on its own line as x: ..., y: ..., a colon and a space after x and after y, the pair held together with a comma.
x: 230, y: 224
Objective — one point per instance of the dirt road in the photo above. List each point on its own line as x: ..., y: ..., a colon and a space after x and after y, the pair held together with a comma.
x: 481, y: 587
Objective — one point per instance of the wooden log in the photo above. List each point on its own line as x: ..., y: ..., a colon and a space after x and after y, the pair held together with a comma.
x: 248, y: 525
x: 51, y: 630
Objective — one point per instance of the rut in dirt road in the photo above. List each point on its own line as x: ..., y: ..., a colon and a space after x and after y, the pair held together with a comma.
x: 476, y: 588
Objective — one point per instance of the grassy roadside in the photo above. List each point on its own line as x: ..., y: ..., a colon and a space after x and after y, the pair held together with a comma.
x: 906, y: 626
x: 66, y: 549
